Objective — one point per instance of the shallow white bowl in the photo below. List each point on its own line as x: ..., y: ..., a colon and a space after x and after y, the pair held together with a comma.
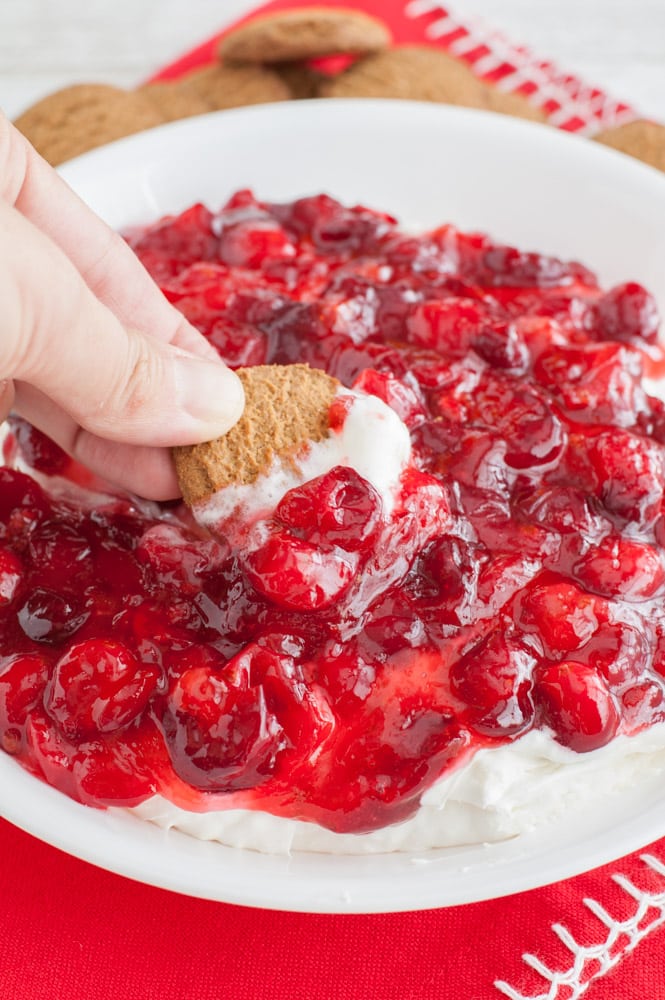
x: 522, y: 183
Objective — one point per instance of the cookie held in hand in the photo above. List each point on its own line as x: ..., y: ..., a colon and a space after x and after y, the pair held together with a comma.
x: 286, y: 408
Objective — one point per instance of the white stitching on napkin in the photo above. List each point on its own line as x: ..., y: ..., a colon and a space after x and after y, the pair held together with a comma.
x: 603, y: 954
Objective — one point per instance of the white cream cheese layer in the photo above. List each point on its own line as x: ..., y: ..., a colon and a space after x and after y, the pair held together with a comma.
x: 500, y: 793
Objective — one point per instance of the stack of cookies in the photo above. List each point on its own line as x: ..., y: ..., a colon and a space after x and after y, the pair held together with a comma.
x: 282, y: 57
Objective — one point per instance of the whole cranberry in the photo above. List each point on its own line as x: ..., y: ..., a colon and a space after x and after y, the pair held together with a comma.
x: 627, y: 312
x: 448, y: 325
x: 11, y: 576
x: 18, y: 490
x: 38, y: 450
x: 62, y: 554
x: 596, y: 383
x: 50, y: 752
x: 297, y: 574
x: 621, y: 652
x: 502, y: 346
x: 98, y: 686
x: 507, y: 266
x: 577, y: 705
x: 524, y: 418
x: 621, y: 567
x: 49, y: 617
x: 249, y: 244
x: 177, y: 561
x: 178, y: 240
x: 494, y: 681
x: 220, y: 733
x: 338, y: 508
x: 404, y: 399
x: 23, y: 678
x: 631, y: 473
x: 563, y: 616
x: 116, y: 771
x: 642, y: 705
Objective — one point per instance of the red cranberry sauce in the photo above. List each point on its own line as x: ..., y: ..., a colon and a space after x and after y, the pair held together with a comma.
x: 342, y: 666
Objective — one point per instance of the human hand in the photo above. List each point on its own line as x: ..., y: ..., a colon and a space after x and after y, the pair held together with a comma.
x: 91, y: 353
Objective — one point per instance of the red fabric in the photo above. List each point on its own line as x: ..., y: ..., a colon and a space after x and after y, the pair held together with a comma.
x: 69, y: 931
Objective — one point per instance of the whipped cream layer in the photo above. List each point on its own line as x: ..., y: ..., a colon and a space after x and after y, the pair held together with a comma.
x: 501, y: 793
x: 372, y: 440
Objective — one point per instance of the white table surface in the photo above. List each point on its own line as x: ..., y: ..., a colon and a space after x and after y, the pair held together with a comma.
x: 46, y: 44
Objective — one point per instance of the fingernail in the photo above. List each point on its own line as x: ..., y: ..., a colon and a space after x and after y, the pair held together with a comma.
x: 210, y: 393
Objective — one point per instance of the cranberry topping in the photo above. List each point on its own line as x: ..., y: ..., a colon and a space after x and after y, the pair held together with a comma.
x: 577, y: 704
x: 341, y: 655
x: 98, y: 686
x: 340, y: 507
x: 627, y: 312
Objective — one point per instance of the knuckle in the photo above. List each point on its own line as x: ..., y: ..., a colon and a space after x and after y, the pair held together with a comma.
x: 136, y: 385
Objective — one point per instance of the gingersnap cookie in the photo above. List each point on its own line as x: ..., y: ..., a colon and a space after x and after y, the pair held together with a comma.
x: 516, y: 105
x: 304, y: 33
x: 642, y: 139
x: 221, y: 87
x: 423, y: 73
x: 303, y: 83
x: 286, y: 409
x: 172, y: 102
x: 79, y: 118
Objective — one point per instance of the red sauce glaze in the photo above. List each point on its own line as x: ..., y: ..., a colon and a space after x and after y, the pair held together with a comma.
x: 339, y: 669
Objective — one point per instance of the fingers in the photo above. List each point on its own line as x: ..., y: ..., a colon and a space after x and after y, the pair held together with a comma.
x: 108, y: 266
x: 114, y: 382
x: 148, y: 472
x: 74, y: 300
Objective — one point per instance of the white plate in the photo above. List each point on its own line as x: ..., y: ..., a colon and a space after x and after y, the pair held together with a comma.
x: 522, y: 183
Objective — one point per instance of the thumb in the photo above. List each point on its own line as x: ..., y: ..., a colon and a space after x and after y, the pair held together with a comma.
x: 116, y: 382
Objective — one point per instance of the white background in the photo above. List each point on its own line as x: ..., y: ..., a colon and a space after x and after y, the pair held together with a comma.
x: 45, y: 44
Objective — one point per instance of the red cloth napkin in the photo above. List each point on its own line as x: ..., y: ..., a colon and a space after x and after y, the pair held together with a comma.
x: 69, y: 931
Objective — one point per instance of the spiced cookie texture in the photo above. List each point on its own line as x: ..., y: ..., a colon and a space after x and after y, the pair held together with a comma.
x: 174, y: 103
x: 79, y: 118
x: 304, y: 33
x: 286, y: 408
x: 423, y: 73
x: 642, y: 139
x: 220, y: 87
